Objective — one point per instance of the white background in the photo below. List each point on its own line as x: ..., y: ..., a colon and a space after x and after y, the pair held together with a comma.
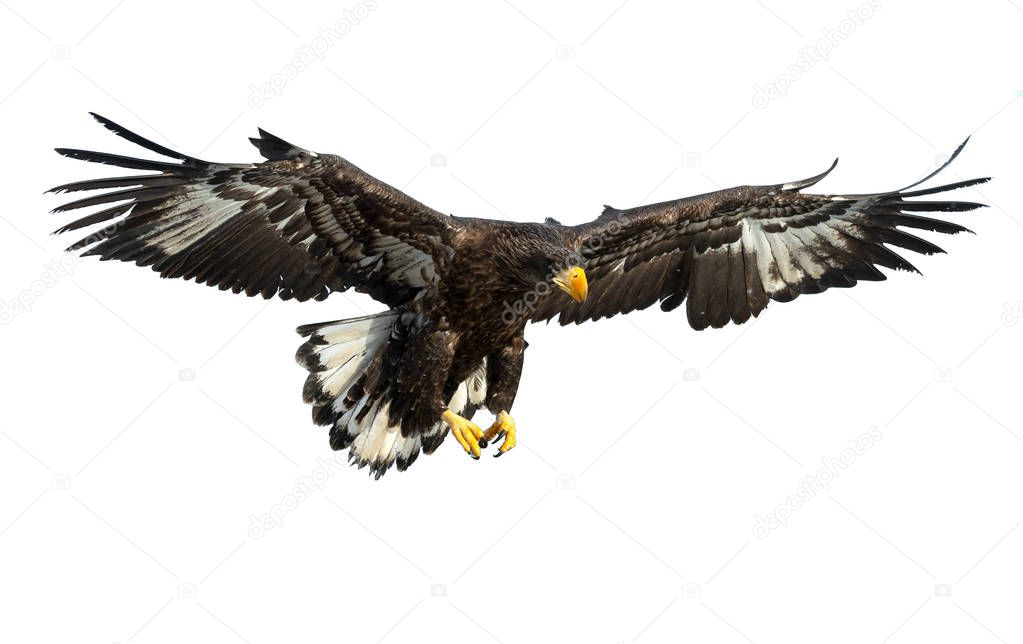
x: 146, y: 422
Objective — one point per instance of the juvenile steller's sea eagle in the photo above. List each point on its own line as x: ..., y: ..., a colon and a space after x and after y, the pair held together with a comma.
x: 460, y: 291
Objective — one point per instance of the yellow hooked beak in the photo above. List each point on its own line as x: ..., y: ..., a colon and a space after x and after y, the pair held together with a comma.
x: 572, y: 280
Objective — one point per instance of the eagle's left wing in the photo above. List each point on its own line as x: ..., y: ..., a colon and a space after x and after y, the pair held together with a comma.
x: 728, y: 253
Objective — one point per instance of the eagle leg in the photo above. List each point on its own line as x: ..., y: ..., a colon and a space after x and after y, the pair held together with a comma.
x: 503, y: 427
x: 465, y: 432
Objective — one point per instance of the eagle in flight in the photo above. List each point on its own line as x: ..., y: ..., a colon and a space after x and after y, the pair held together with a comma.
x: 460, y: 290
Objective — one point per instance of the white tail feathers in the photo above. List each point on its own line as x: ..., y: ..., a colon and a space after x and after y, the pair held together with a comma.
x: 338, y: 355
x: 338, y: 352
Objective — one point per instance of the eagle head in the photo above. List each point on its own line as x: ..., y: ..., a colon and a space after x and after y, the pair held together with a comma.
x: 538, y: 259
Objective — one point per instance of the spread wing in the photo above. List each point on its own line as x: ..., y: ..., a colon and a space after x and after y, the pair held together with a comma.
x: 299, y: 225
x: 728, y: 253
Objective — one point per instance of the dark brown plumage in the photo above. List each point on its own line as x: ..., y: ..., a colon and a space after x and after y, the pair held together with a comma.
x: 459, y: 290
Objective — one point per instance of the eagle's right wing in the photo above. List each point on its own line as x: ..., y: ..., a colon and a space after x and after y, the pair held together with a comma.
x: 299, y: 225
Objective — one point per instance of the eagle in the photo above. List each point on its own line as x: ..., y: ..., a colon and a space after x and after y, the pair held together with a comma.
x: 460, y: 291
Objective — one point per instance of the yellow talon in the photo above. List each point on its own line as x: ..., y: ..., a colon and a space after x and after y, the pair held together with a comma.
x: 504, y: 426
x: 465, y: 432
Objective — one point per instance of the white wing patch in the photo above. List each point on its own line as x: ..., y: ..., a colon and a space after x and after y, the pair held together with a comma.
x: 195, y: 216
x: 788, y: 257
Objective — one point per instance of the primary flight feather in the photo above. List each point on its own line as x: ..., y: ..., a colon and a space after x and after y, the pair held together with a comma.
x: 460, y: 291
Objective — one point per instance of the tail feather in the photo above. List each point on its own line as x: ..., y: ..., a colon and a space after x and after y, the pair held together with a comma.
x: 341, y: 357
x: 336, y: 353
